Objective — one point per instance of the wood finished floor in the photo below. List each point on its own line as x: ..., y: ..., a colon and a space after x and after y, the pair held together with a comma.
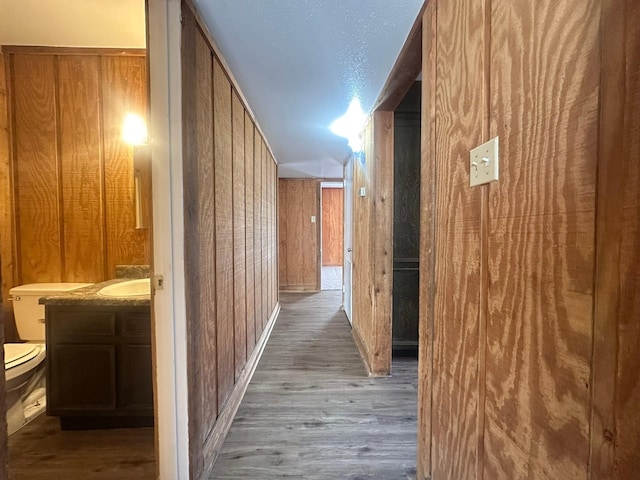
x: 41, y: 451
x: 311, y: 413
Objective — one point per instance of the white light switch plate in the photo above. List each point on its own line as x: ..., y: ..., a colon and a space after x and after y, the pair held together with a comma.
x: 313, y: 219
x: 483, y: 163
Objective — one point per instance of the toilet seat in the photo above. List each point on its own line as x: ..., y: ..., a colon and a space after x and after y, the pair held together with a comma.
x: 19, y: 358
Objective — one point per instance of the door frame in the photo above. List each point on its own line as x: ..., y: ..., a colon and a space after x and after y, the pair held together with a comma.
x: 164, y: 37
x: 322, y: 186
x: 347, y: 240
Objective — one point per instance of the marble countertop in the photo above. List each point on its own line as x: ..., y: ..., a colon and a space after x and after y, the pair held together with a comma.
x: 89, y: 296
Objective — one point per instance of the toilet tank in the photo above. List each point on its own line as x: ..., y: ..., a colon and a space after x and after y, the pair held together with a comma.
x: 29, y: 314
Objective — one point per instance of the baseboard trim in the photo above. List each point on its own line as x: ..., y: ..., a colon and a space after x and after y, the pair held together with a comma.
x: 299, y: 288
x: 213, y: 444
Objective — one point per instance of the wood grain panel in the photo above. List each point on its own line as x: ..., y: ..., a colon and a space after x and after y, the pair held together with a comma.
x: 4, y: 229
x: 257, y: 230
x: 224, y: 231
x: 459, y: 127
x: 265, y: 235
x: 123, y: 91
x: 267, y: 175
x: 615, y: 421
x: 72, y: 227
x: 239, y: 268
x: 428, y: 184
x: 81, y: 168
x: 249, y: 233
x: 541, y: 245
x: 204, y: 236
x: 282, y: 228
x: 35, y: 154
x: 272, y: 235
x: 373, y: 251
x: 332, y: 226
x: 628, y: 392
x: 298, y: 235
x: 362, y: 299
x: 382, y: 245
x: 7, y: 263
x: 275, y: 286
x: 192, y: 74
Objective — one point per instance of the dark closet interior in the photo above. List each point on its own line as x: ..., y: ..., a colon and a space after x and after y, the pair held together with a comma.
x: 406, y: 223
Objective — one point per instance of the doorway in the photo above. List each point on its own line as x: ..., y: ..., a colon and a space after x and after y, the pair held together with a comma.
x: 83, y: 92
x: 331, y: 234
x: 406, y: 224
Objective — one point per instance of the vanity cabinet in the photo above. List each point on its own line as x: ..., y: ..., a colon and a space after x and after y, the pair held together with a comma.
x: 99, y: 366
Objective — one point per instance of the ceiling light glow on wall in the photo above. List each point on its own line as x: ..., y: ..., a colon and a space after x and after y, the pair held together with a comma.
x: 350, y: 125
x: 134, y: 129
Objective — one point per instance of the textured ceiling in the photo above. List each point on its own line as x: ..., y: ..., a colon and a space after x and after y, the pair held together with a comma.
x: 300, y: 62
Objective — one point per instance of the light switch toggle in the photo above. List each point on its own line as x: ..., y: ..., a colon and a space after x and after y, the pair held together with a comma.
x: 484, y: 163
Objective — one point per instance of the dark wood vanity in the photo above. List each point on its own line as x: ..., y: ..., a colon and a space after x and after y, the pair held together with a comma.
x: 99, y: 365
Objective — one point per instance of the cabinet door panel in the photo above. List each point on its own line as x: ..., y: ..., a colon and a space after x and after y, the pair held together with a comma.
x: 137, y: 383
x: 81, y: 377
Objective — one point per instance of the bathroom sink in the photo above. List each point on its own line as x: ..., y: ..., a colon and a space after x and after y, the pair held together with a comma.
x: 130, y: 288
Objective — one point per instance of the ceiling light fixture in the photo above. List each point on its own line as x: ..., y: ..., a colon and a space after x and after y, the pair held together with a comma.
x: 350, y: 125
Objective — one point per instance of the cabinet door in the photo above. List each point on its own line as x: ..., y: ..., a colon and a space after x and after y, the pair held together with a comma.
x: 136, y: 390
x: 81, y: 378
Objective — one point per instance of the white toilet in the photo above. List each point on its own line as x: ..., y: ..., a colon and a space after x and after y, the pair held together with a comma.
x: 24, y: 365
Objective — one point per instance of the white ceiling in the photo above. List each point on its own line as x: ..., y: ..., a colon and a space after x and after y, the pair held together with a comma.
x: 300, y: 62
x: 73, y: 23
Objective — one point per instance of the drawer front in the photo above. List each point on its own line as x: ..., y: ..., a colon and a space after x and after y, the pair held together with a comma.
x: 73, y: 324
x: 135, y: 324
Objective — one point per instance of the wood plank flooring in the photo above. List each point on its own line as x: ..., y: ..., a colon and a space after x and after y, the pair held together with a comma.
x: 311, y: 413
x: 41, y: 451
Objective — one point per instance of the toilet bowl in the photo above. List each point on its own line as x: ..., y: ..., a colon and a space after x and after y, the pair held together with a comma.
x: 24, y: 364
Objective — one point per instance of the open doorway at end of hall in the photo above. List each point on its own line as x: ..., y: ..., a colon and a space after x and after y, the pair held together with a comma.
x: 331, y: 252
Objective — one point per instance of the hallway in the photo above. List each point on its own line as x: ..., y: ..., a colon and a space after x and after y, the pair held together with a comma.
x: 311, y: 413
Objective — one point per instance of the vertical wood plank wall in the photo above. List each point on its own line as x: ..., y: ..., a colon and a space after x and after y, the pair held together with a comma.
x: 67, y: 185
x: 230, y: 225
x: 6, y: 206
x: 372, y: 249
x: 4, y: 233
x: 530, y: 318
x: 332, y: 226
x: 298, y: 242
x: 615, y: 427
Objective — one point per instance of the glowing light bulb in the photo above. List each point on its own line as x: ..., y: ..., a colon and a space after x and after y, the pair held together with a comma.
x: 134, y: 129
x: 350, y: 125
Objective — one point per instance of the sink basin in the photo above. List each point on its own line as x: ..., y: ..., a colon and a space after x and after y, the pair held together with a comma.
x: 130, y: 288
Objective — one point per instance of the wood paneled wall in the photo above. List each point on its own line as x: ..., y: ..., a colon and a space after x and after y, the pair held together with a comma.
x: 230, y: 242
x: 530, y: 318
x: 299, y: 200
x: 6, y: 215
x: 67, y: 186
x: 372, y: 248
x: 5, y: 234
x: 332, y: 226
